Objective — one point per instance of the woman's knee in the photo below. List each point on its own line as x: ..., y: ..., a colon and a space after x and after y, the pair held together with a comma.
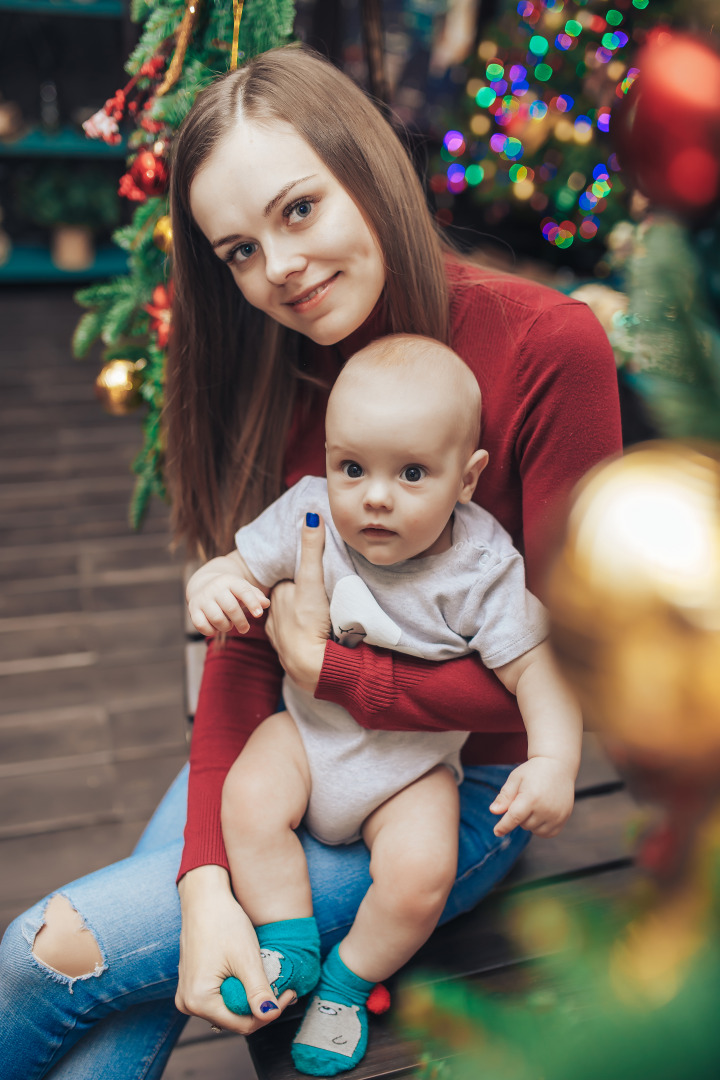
x: 64, y: 943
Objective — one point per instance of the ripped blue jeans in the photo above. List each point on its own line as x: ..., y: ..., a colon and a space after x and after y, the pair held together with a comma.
x: 119, y: 1022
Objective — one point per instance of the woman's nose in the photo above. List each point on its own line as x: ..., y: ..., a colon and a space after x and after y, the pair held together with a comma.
x: 282, y: 259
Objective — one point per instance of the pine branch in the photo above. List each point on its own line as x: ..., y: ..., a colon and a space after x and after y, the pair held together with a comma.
x: 87, y: 331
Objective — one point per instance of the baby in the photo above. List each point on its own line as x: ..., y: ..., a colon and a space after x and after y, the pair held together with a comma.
x: 410, y: 563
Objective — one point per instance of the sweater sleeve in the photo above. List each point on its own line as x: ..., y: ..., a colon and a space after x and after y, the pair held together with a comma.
x: 240, y: 687
x: 567, y: 420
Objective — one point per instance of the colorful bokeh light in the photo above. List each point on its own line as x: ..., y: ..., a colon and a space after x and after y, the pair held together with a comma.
x: 456, y: 178
x: 454, y: 142
x: 474, y: 174
x: 485, y: 97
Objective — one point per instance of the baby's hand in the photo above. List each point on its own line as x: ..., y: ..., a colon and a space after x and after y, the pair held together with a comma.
x: 216, y: 595
x: 538, y: 796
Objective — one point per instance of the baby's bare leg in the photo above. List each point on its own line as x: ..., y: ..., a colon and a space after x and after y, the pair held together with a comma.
x: 413, y: 841
x: 264, y: 799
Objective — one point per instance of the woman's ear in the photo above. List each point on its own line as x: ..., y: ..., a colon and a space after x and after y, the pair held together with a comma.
x: 471, y: 475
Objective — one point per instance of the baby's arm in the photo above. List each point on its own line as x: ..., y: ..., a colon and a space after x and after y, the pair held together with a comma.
x: 539, y: 794
x: 217, y: 592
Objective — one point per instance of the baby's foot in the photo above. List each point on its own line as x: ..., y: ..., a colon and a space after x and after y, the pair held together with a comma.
x: 290, y: 953
x: 333, y: 1035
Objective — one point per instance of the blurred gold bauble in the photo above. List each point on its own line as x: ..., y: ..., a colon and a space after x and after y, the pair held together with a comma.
x: 118, y: 386
x: 162, y: 234
x: 634, y: 598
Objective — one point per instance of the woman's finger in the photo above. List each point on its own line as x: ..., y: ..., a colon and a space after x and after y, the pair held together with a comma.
x: 310, y: 572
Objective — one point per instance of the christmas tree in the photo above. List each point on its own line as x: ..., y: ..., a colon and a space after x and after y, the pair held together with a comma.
x: 183, y: 46
x: 528, y: 143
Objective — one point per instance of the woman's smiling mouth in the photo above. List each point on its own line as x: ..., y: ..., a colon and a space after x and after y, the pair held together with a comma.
x: 307, y: 299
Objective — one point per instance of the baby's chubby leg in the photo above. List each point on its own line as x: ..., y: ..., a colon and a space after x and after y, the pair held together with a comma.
x: 413, y: 842
x: 264, y: 799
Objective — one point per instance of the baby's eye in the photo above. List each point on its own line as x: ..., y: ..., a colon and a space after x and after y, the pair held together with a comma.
x: 412, y: 473
x: 352, y: 469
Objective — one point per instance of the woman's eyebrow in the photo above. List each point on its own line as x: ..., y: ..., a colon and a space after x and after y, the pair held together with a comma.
x: 283, y: 192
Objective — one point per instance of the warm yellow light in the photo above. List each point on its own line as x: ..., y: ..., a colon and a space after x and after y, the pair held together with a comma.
x: 524, y: 189
x: 564, y: 130
x: 480, y: 124
x: 487, y: 50
x: 653, y: 528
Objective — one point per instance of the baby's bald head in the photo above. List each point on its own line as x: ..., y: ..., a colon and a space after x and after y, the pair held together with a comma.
x: 402, y: 367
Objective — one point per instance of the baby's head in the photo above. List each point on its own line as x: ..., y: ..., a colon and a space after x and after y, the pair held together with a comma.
x: 402, y: 432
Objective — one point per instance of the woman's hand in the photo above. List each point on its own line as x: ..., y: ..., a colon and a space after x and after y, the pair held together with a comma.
x: 218, y: 940
x: 298, y: 623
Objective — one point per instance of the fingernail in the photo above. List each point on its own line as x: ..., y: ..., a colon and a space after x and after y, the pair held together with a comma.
x: 267, y: 1006
x: 312, y: 521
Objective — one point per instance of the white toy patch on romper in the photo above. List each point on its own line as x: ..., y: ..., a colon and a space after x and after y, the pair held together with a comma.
x: 331, y: 1026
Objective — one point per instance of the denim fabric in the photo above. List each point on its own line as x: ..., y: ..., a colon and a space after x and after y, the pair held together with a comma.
x: 120, y: 1022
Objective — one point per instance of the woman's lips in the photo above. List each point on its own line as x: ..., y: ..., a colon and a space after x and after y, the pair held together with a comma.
x: 311, y: 299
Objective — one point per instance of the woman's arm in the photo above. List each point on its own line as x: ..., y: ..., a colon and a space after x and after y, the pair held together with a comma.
x: 240, y: 688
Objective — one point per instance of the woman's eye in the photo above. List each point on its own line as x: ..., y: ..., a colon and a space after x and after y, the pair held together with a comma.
x: 412, y: 473
x: 300, y: 209
x: 352, y: 470
x: 242, y: 252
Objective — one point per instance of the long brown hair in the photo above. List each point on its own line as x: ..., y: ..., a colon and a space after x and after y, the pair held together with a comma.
x: 233, y: 371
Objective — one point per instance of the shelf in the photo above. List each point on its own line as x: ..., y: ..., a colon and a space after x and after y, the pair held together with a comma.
x: 34, y: 264
x: 98, y: 9
x: 67, y: 142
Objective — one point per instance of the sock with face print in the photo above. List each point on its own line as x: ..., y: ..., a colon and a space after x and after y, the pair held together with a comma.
x: 333, y: 1035
x: 290, y: 952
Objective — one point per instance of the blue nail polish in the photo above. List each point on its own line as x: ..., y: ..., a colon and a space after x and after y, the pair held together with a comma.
x: 267, y: 1006
x: 312, y: 521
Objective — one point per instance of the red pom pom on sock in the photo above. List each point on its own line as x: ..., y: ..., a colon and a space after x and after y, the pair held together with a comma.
x: 379, y: 1000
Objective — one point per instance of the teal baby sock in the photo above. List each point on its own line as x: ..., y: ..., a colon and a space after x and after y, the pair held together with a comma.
x: 333, y: 1035
x: 290, y: 952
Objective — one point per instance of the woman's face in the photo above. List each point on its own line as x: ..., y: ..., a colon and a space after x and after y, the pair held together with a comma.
x: 297, y: 245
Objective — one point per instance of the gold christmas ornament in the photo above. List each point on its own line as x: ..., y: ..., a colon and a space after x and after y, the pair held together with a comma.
x: 118, y: 386
x: 162, y: 234
x: 634, y: 598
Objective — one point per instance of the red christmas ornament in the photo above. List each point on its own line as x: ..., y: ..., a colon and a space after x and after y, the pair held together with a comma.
x: 160, y: 311
x: 667, y: 127
x: 150, y: 173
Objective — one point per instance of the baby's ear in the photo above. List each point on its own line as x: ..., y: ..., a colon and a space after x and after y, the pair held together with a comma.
x: 471, y: 475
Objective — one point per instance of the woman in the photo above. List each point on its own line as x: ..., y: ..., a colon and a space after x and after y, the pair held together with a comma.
x: 300, y: 233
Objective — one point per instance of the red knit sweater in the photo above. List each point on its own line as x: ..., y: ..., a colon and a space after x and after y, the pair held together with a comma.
x: 550, y: 412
